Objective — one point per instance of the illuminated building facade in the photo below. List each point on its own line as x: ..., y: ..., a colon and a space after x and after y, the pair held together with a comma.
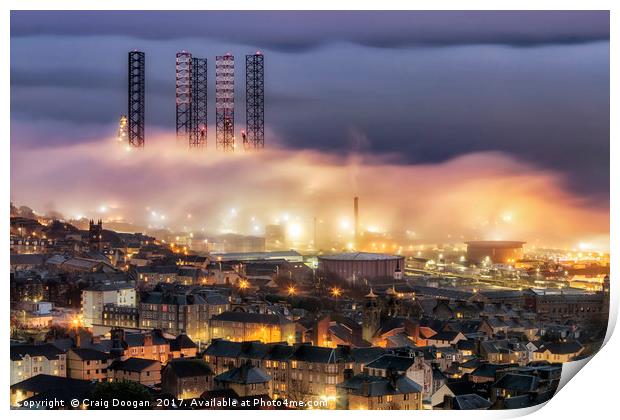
x: 28, y: 360
x: 175, y: 313
x: 243, y: 326
x: 302, y: 372
x: 94, y: 299
x: 366, y: 392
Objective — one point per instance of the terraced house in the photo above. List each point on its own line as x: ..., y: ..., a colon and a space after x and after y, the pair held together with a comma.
x: 28, y: 360
x: 300, y: 372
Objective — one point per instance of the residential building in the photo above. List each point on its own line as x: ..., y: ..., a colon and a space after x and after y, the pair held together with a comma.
x: 187, y: 378
x: 88, y: 364
x: 246, y: 381
x: 144, y: 371
x: 175, y: 311
x: 366, y: 392
x: 245, y: 326
x: 95, y: 297
x: 28, y: 360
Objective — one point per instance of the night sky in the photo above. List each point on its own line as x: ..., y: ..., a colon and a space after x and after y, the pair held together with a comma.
x: 419, y: 88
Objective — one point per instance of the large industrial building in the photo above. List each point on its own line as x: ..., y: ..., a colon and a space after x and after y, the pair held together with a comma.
x: 496, y: 252
x: 355, y: 266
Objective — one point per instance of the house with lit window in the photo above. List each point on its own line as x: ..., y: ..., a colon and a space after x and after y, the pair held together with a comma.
x: 174, y: 311
x: 44, y: 389
x: 186, y: 378
x: 144, y: 371
x: 88, y: 364
x: 28, y: 360
x: 246, y: 326
x: 246, y: 380
x: 367, y: 392
x: 560, y: 352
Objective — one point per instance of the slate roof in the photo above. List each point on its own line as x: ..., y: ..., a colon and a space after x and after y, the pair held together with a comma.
x: 215, y: 299
x: 284, y: 352
x: 315, y: 354
x: 107, y: 287
x: 253, y: 349
x: 503, y: 346
x: 280, y: 352
x: 372, y: 386
x: 399, y: 340
x: 137, y: 339
x: 90, y: 354
x: 251, y: 318
x: 565, y: 347
x: 187, y: 368
x: 390, y: 325
x: 223, y: 348
x: 365, y: 355
x: 172, y: 298
x: 471, y: 363
x: 461, y: 387
x: 466, y: 345
x: 133, y: 364
x: 517, y: 382
x: 48, y: 387
x: 496, y: 322
x: 182, y: 342
x: 395, y: 363
x: 445, y: 336
x: 19, y: 351
x: 246, y: 374
x: 470, y: 402
x: 488, y: 370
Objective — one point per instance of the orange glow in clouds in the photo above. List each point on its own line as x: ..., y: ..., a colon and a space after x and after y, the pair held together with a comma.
x: 482, y: 195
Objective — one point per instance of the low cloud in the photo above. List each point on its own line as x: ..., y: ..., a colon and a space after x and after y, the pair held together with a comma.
x: 479, y: 195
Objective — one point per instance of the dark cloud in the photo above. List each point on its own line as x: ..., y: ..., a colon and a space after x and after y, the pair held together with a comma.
x: 79, y: 78
x: 300, y: 31
x: 548, y: 105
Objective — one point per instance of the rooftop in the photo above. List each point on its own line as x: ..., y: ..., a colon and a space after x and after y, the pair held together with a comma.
x: 359, y: 256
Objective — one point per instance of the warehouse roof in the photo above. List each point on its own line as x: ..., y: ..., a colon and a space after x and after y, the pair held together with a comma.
x: 360, y: 256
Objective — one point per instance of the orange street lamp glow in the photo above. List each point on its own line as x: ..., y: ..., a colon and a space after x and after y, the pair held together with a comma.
x: 291, y: 290
x: 336, y: 292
